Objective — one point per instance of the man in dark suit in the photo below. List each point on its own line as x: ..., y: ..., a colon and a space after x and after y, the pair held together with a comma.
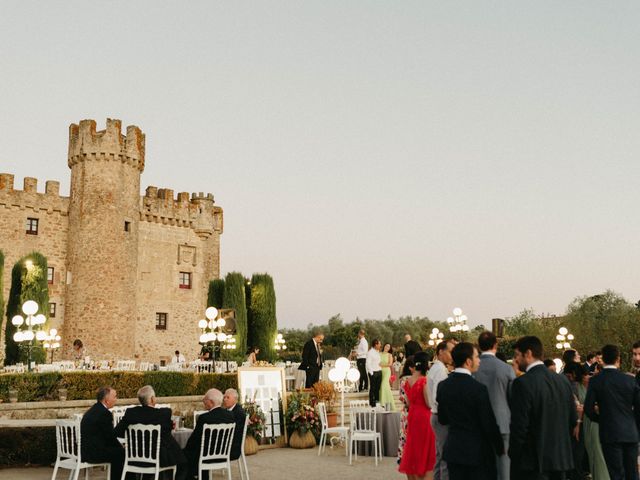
x: 411, y: 347
x: 312, y: 360
x: 498, y: 377
x: 212, y: 401
x: 230, y: 402
x: 147, y: 414
x: 543, y: 417
x: 613, y: 400
x: 635, y: 352
x: 591, y: 364
x: 97, y: 438
x: 474, y: 438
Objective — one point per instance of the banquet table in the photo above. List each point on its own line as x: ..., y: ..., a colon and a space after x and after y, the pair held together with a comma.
x: 182, y: 436
x: 388, y: 424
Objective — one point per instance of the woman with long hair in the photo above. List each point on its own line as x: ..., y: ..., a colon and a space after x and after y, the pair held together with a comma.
x: 386, y: 361
x: 252, y: 355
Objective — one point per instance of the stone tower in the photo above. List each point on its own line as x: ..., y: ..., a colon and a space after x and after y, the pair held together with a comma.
x: 102, y: 247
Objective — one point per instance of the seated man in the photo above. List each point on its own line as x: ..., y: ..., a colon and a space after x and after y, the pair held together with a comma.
x: 147, y: 414
x: 216, y: 414
x: 230, y: 402
x: 98, y: 439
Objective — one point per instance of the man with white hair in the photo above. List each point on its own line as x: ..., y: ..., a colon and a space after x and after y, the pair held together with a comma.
x: 212, y: 401
x: 230, y: 402
x: 147, y: 414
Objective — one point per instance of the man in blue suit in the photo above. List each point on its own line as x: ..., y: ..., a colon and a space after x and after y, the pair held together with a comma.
x: 613, y: 400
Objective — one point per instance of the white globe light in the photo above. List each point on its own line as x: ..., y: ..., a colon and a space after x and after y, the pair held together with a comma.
x: 211, y: 313
x: 56, y: 345
x: 202, y: 323
x: 28, y: 335
x: 343, y: 364
x: 336, y: 375
x: 450, y: 320
x: 284, y: 347
x: 40, y: 335
x: 29, y: 307
x: 559, y: 337
x: 465, y: 328
x: 559, y: 346
x: 431, y: 343
x: 435, y: 331
x: 353, y: 375
x: 53, y: 332
x: 46, y: 345
x: 441, y: 336
x: 203, y: 338
x: 211, y: 336
x: 563, y: 331
x: 41, y: 319
x: 279, y: 337
x: 463, y: 318
x: 17, y: 337
x: 17, y: 320
x: 222, y: 337
x: 567, y: 345
x: 457, y: 311
x: 221, y: 322
x: 570, y: 337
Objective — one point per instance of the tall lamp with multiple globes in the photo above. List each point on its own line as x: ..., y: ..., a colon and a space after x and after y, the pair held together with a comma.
x: 32, y: 331
x: 564, y: 339
x: 52, y: 342
x: 280, y: 343
x: 345, y: 378
x: 435, y: 337
x: 211, y: 330
x: 458, y: 323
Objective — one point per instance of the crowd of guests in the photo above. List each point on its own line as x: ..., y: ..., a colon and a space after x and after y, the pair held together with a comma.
x: 100, y: 443
x: 470, y: 415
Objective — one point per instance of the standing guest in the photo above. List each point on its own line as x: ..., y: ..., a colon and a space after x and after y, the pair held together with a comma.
x: 374, y: 371
x: 361, y: 361
x: 551, y: 365
x: 613, y: 400
x: 439, y: 372
x: 312, y: 360
x: 569, y: 356
x: 177, y: 357
x: 411, y: 347
x: 419, y: 453
x: 147, y: 414
x: 516, y: 368
x: 575, y: 373
x: 252, y: 355
x: 635, y: 350
x: 230, y: 402
x: 402, y: 394
x: 78, y: 350
x: 497, y: 376
x: 99, y: 443
x: 212, y: 402
x: 591, y: 363
x: 474, y: 439
x: 543, y: 417
x: 386, y: 361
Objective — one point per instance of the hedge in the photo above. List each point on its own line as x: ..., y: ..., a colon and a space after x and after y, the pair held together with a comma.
x: 34, y: 387
x: 27, y: 446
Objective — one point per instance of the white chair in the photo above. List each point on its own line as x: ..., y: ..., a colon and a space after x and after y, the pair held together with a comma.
x: 355, y: 404
x: 196, y: 414
x: 343, y: 432
x: 363, y: 429
x: 164, y: 405
x: 242, y: 460
x: 142, y: 451
x: 215, y: 448
x: 68, y: 449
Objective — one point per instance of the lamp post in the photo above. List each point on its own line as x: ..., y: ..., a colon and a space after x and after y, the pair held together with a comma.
x: 280, y: 343
x: 32, y: 333
x: 52, y: 342
x: 344, y: 378
x: 435, y: 337
x: 564, y: 339
x: 211, y: 331
x: 458, y: 323
x: 229, y: 344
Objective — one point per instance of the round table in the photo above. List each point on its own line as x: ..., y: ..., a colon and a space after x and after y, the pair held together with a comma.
x: 182, y: 436
x: 388, y: 424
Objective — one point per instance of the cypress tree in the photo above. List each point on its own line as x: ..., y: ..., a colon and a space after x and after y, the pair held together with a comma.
x: 215, y: 297
x: 234, y: 297
x: 264, y: 325
x: 247, y: 301
x: 26, y: 284
x: 1, y: 288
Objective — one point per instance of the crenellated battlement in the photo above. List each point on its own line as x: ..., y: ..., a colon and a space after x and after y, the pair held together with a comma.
x: 28, y: 197
x: 108, y: 144
x: 160, y: 206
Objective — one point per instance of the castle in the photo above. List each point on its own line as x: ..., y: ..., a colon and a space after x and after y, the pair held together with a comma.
x: 128, y: 274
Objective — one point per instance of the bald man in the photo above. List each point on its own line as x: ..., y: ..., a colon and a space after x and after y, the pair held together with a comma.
x: 230, y: 402
x: 212, y: 402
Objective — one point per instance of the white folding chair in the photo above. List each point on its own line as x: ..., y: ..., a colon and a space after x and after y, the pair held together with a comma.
x: 68, y: 451
x: 342, y: 432
x: 358, y: 404
x: 242, y: 460
x: 215, y: 448
x: 142, y: 451
x: 196, y: 414
x: 363, y: 429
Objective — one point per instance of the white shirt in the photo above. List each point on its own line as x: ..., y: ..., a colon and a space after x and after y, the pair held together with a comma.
x: 437, y: 373
x: 363, y: 348
x: 461, y: 370
x: 610, y: 366
x: 179, y: 359
x: 373, y: 361
x: 535, y: 364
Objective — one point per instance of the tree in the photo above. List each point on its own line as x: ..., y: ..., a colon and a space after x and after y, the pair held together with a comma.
x: 1, y: 288
x: 264, y: 325
x: 216, y: 293
x: 234, y: 297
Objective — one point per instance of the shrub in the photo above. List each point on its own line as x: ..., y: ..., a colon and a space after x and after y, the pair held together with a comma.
x: 27, y: 446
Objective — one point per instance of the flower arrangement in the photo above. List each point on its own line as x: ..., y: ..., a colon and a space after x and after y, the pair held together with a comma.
x: 324, y: 391
x: 262, y: 363
x: 301, y: 414
x: 256, y: 419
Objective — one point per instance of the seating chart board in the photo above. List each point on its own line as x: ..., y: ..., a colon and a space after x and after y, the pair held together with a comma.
x: 266, y: 386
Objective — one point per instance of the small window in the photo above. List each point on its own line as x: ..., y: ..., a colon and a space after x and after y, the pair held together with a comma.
x: 127, y: 226
x: 50, y: 271
x: 52, y: 310
x: 32, y: 226
x: 185, y: 279
x: 161, y: 321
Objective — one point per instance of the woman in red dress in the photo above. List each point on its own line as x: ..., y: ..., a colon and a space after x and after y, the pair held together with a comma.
x: 419, y: 453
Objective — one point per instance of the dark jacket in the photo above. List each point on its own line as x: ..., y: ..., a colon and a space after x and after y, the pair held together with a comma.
x: 240, y: 417
x: 310, y: 357
x: 192, y: 449
x: 474, y: 437
x: 543, y: 416
x: 97, y: 434
x: 170, y: 451
x: 411, y: 348
x: 617, y: 396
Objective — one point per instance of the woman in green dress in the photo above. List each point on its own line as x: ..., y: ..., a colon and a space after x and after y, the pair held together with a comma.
x: 386, y: 360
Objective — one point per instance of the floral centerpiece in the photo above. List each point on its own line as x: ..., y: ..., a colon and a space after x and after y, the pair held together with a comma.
x: 255, y: 427
x: 302, y: 420
x: 262, y: 363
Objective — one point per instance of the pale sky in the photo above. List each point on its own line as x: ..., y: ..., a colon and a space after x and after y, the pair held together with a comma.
x: 375, y: 158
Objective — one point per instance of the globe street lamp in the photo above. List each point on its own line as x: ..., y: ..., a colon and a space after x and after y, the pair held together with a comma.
x: 458, y: 323
x: 345, y: 378
x: 229, y: 344
x: 435, y: 337
x: 212, y: 331
x: 280, y: 343
x: 564, y: 339
x: 32, y: 332
x: 52, y: 342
